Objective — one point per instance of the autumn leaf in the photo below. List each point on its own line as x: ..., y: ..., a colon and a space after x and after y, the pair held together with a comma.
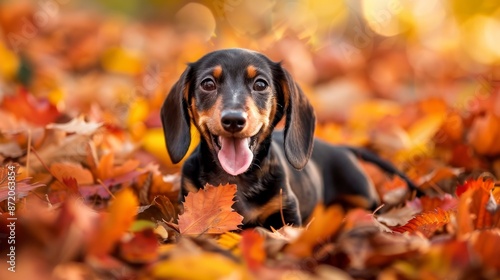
x: 471, y: 184
x: 477, y: 206
x: 484, y: 133
x: 198, y: 266
x: 106, y: 169
x: 141, y: 247
x: 22, y: 185
x: 487, y: 244
x: 446, y: 202
x: 324, y: 223
x: 252, y: 246
x: 76, y: 125
x: 426, y: 223
x: 209, y: 211
x: 230, y: 241
x: 112, y: 226
x: 25, y: 106
x: 63, y: 170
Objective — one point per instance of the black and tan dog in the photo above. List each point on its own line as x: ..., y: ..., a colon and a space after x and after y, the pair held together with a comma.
x: 235, y: 98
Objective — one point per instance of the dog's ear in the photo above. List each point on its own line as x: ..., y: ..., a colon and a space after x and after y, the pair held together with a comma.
x: 300, y: 121
x: 175, y: 119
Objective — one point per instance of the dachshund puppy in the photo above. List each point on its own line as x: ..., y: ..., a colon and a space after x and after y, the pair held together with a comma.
x: 235, y: 98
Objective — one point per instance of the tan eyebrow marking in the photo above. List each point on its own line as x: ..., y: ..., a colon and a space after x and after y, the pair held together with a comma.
x: 217, y: 71
x: 251, y: 71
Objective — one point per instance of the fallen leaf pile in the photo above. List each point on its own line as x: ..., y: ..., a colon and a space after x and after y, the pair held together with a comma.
x: 87, y: 190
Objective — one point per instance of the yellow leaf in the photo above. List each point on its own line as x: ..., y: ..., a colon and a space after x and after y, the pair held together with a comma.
x: 230, y: 241
x: 420, y: 134
x: 202, y: 266
x: 138, y: 112
x: 10, y: 62
x: 154, y: 143
x: 122, y: 61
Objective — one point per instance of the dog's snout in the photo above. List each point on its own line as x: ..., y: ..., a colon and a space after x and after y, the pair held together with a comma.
x: 233, y: 121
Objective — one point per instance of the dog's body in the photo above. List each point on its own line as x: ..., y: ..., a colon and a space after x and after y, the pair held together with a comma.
x: 235, y: 98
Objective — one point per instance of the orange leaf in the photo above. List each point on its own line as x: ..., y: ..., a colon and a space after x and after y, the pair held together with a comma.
x: 483, y: 134
x: 82, y: 175
x: 477, y: 207
x: 324, y: 224
x: 120, y: 217
x: 252, y: 246
x: 487, y: 245
x: 106, y: 168
x: 426, y: 223
x: 471, y: 184
x: 446, y: 202
x: 141, y: 248
x: 209, y: 211
x: 25, y: 106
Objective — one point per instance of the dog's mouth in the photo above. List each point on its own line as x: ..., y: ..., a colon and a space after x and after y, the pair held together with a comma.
x: 235, y: 154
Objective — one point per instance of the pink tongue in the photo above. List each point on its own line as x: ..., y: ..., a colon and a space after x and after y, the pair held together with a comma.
x: 235, y: 155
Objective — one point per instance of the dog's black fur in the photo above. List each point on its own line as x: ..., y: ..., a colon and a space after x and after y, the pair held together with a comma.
x: 257, y: 93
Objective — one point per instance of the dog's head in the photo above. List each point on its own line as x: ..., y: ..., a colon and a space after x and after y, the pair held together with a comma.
x: 235, y: 98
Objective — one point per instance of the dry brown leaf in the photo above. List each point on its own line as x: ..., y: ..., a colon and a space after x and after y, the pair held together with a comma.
x: 209, y: 211
x: 398, y: 216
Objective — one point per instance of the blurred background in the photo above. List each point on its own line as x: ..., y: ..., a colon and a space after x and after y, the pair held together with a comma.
x: 392, y: 74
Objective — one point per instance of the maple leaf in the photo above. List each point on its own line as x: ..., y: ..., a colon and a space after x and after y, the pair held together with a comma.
x: 209, y: 211
x: 426, y: 223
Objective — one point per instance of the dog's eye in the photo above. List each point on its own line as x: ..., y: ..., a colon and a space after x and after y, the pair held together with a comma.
x: 260, y: 85
x: 208, y: 85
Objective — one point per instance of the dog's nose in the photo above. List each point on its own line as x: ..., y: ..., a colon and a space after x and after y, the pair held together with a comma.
x: 233, y: 121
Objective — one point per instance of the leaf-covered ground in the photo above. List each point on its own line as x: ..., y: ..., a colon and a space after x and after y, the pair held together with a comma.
x: 87, y: 190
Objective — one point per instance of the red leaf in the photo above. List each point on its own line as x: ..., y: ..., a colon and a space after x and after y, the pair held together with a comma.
x: 141, y: 248
x: 26, y: 106
x: 252, y: 247
x: 426, y: 223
